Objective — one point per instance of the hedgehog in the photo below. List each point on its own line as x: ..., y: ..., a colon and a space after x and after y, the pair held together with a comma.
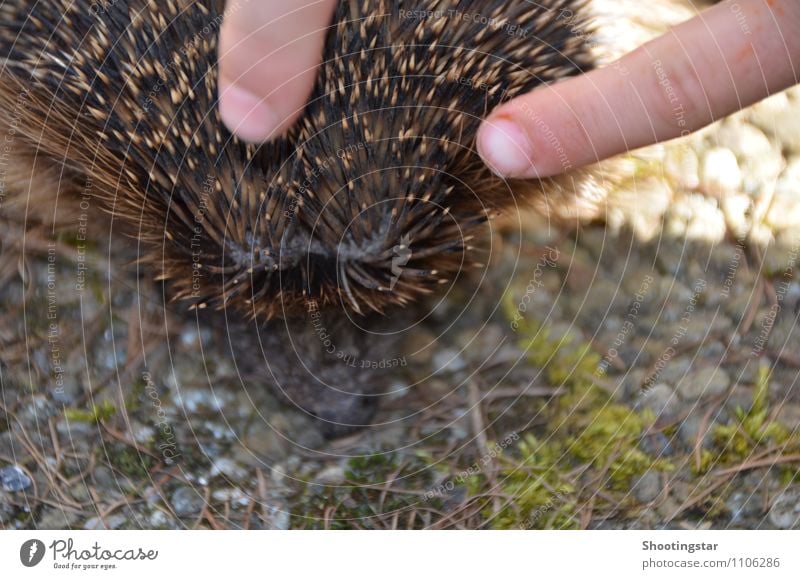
x: 373, y: 201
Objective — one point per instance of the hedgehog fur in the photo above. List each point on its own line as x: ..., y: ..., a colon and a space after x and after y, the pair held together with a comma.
x: 374, y: 199
x: 381, y: 169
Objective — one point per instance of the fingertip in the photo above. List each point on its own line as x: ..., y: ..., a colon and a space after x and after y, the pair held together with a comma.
x: 247, y: 115
x: 505, y: 148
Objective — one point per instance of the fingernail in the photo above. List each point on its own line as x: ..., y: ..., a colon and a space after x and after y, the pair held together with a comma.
x: 247, y: 115
x: 505, y: 148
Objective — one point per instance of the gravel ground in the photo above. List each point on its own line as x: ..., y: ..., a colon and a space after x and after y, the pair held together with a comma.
x: 636, y: 372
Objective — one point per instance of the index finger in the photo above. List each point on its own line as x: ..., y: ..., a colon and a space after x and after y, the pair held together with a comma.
x: 726, y: 58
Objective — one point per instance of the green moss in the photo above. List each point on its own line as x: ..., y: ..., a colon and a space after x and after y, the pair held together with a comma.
x: 585, y: 432
x: 752, y: 429
x: 97, y: 413
x: 362, y: 502
x: 127, y: 460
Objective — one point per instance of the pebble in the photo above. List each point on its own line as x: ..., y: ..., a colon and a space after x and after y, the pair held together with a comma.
x: 331, y: 476
x: 277, y: 516
x: 689, y: 428
x: 448, y: 360
x: 260, y: 443
x: 647, y: 487
x: 160, y: 520
x: 683, y: 167
x: 56, y: 519
x: 785, y: 205
x: 696, y: 217
x: 661, y: 399
x: 709, y: 381
x: 111, y: 522
x: 675, y: 370
x: 229, y: 468
x: 743, y: 506
x: 785, y: 510
x: 6, y: 510
x: 186, y: 501
x: 720, y: 173
x: 13, y: 479
x: 736, y: 208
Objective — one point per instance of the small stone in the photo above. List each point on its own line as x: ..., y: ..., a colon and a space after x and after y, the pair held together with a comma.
x: 736, y: 207
x: 689, y: 428
x: 55, y: 519
x: 696, y: 217
x: 682, y: 166
x: 648, y: 487
x: 739, y: 397
x: 421, y: 345
x: 744, y: 139
x: 661, y: 399
x: 656, y: 444
x: 6, y: 510
x: 778, y: 117
x: 230, y: 494
x: 785, y: 510
x: 97, y: 524
x: 674, y: 370
x: 641, y: 206
x: 708, y: 381
x: 331, y: 476
x: 261, y: 443
x: 13, y: 479
x: 785, y: 206
x: 159, y: 520
x: 448, y: 360
x: 720, y: 172
x: 277, y: 517
x: 789, y: 414
x: 228, y: 468
x: 186, y: 501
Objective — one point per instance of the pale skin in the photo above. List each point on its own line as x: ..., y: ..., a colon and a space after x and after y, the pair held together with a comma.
x: 726, y: 58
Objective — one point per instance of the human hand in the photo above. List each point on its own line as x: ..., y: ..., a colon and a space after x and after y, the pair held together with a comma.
x: 269, y: 51
x: 728, y: 57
